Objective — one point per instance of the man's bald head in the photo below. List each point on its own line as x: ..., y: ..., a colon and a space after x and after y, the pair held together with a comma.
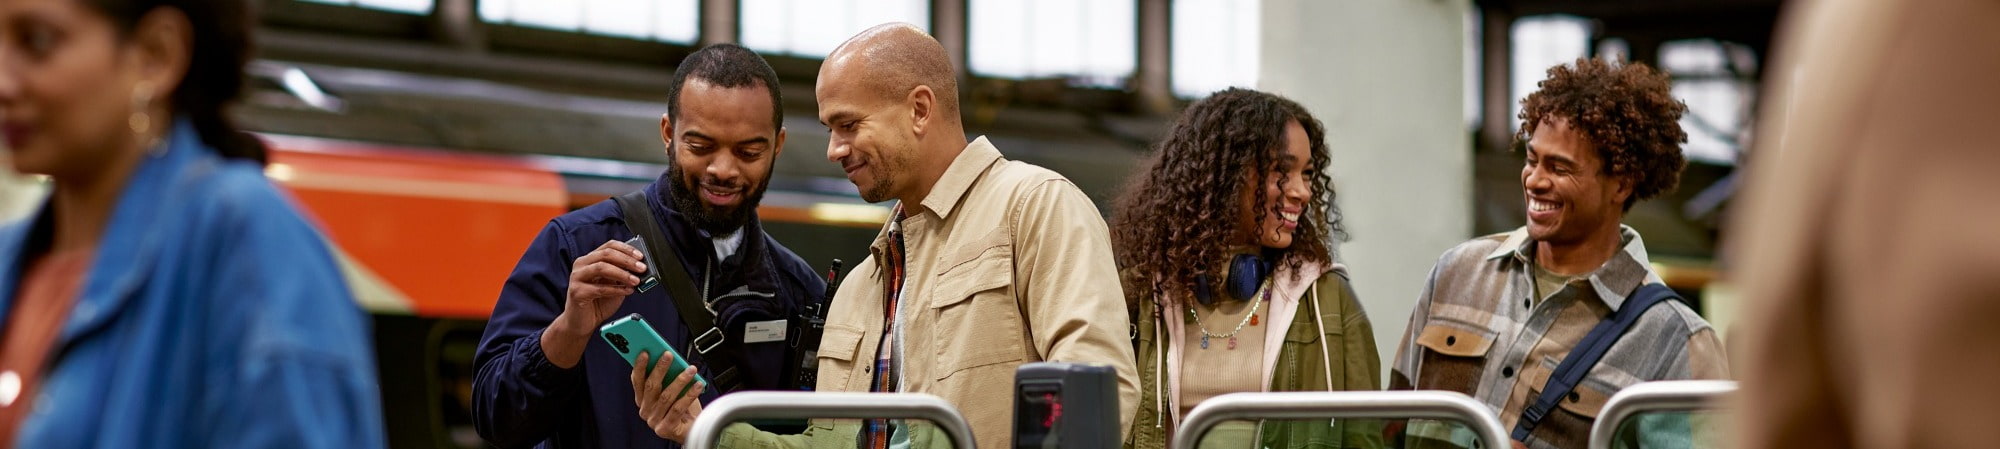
x: 892, y: 59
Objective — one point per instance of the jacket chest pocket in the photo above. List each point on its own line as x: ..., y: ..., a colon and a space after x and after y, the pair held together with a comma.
x: 977, y: 321
x: 1584, y: 401
x: 1303, y: 354
x: 838, y: 348
x: 1454, y: 356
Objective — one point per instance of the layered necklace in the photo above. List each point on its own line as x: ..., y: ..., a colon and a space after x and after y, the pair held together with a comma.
x: 1256, y: 301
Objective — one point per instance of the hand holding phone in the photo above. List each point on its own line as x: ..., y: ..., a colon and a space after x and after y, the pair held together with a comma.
x: 631, y: 336
x: 670, y: 417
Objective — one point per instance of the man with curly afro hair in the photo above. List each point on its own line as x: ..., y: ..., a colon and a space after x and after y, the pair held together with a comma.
x: 1502, y: 313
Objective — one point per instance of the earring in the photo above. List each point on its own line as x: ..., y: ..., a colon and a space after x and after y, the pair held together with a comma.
x: 141, y: 122
x: 142, y: 98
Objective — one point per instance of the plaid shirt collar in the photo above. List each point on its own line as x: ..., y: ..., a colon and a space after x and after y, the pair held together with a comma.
x: 1617, y: 278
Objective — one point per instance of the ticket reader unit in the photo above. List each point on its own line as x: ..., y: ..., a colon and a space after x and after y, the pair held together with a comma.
x: 1066, y: 405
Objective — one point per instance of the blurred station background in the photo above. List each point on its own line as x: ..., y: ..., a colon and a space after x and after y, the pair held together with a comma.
x: 431, y: 140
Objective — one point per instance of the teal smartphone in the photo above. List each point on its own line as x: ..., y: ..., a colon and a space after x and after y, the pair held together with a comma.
x: 631, y: 336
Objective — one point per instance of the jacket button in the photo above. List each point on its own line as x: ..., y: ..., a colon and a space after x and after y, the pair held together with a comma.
x: 1573, y: 397
x: 1448, y: 341
x: 1528, y: 303
x: 1507, y: 372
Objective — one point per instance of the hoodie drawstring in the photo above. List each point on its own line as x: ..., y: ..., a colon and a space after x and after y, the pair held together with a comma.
x: 1159, y: 370
x: 1325, y: 356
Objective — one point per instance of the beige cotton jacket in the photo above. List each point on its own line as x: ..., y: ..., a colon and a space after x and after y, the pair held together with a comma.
x: 1008, y: 263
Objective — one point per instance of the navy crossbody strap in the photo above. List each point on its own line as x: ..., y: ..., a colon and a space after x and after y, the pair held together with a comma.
x: 721, y: 371
x: 1587, y: 353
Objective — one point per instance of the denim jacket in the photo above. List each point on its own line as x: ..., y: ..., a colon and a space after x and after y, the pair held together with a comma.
x: 212, y: 316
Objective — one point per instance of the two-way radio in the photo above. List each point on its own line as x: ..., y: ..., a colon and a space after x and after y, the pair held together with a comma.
x: 809, y: 326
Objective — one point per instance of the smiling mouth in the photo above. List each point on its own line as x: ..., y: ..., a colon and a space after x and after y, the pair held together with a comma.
x: 1535, y: 205
x: 716, y: 193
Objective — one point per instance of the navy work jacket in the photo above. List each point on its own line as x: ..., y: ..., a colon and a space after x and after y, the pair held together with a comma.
x: 520, y: 399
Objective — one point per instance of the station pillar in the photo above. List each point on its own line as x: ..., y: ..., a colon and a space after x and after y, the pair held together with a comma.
x: 1387, y: 78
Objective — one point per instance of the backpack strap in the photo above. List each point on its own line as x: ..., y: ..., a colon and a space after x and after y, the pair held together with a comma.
x: 680, y: 288
x: 1586, y: 354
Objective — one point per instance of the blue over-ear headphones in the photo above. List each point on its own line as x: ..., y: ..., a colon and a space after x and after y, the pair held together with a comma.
x: 1246, y: 273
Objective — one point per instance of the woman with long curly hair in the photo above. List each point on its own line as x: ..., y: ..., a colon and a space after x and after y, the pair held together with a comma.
x: 1224, y: 243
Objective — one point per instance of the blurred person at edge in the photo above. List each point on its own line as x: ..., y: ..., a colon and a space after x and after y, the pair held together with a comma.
x: 1867, y: 249
x: 166, y: 294
x: 985, y: 264
x: 1226, y: 237
x: 1500, y: 312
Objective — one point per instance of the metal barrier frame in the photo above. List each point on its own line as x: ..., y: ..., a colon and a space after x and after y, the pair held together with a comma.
x: 1658, y: 396
x: 736, y: 407
x: 1442, y: 405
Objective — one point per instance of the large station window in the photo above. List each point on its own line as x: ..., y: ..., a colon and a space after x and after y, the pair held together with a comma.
x: 672, y: 21
x: 812, y: 28
x: 1715, y: 80
x: 1090, y: 42
x: 1214, y: 45
x: 402, y: 6
x: 1541, y: 42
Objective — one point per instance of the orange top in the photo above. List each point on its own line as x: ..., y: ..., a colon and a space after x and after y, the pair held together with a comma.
x: 48, y: 290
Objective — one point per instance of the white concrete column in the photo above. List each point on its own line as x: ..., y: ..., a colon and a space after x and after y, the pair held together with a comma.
x: 718, y: 22
x: 1386, y: 77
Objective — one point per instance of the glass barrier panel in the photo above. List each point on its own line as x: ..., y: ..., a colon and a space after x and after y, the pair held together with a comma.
x: 1322, y: 433
x: 834, y: 432
x: 1673, y: 430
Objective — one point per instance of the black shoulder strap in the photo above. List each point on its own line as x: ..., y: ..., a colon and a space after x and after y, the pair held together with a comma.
x: 1586, y: 354
x: 694, y: 315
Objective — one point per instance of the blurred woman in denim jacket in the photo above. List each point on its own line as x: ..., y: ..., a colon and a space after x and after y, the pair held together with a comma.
x: 166, y: 295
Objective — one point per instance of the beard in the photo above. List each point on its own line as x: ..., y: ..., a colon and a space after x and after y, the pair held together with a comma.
x: 881, y: 190
x: 715, y: 220
x: 884, y: 187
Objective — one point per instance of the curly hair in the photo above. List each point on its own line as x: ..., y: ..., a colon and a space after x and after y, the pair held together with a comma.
x: 1180, y: 213
x: 1627, y: 110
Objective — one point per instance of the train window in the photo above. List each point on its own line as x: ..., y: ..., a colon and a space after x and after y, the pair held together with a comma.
x: 1614, y: 49
x: 671, y: 21
x: 1214, y: 45
x: 1091, y: 42
x: 812, y: 28
x: 1717, y: 80
x: 1540, y: 42
x: 402, y: 6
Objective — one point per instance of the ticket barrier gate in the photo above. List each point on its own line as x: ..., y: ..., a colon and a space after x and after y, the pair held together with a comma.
x: 1435, y: 405
x: 749, y: 405
x: 1656, y: 397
